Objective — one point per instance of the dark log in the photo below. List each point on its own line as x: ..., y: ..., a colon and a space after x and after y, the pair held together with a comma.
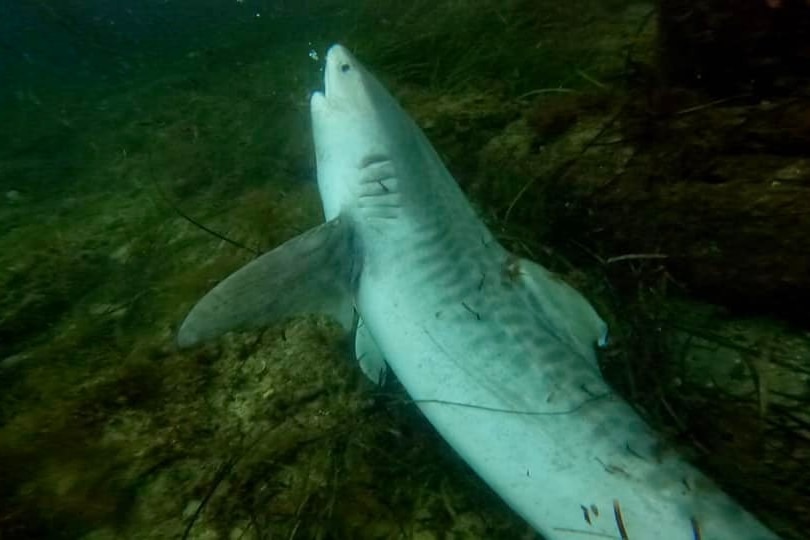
x: 729, y: 46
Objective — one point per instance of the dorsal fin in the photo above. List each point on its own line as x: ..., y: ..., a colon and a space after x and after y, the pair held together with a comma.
x: 567, y: 313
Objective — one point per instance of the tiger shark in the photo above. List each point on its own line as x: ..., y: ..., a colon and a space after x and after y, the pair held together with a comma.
x: 496, y: 351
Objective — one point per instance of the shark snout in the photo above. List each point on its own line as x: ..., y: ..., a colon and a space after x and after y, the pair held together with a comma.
x: 339, y: 58
x: 343, y: 75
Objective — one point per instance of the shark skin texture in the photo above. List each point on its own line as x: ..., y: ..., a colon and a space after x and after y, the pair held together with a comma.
x: 497, y: 352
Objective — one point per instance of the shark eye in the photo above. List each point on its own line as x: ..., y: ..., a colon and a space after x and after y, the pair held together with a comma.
x: 345, y: 67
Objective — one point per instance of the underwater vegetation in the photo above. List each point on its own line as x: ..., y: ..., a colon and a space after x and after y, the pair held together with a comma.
x: 676, y: 208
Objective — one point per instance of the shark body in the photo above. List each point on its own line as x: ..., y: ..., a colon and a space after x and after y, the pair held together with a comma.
x: 496, y: 351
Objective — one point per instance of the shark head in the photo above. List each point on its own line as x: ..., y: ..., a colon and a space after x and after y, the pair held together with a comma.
x: 357, y: 126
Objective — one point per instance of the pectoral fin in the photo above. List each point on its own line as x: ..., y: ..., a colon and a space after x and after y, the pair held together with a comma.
x: 369, y: 355
x: 311, y: 273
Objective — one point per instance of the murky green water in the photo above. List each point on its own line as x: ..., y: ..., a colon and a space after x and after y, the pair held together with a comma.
x: 117, y: 122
